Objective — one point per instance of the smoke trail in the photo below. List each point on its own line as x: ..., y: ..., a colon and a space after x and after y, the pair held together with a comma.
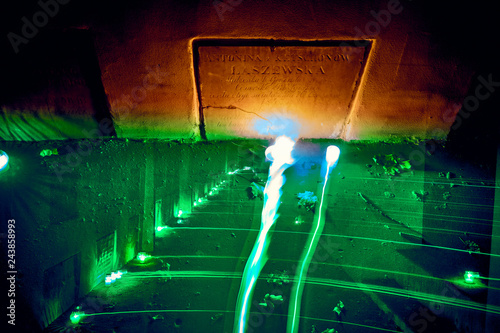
x: 281, y: 157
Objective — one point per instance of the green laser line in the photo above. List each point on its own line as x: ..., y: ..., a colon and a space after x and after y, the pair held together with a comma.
x: 354, y: 237
x: 413, y: 294
x: 372, y: 288
x: 229, y: 311
x: 152, y: 311
x: 234, y: 275
x: 351, y: 323
x: 313, y: 262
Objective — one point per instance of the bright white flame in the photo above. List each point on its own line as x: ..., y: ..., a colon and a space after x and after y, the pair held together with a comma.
x: 332, y: 155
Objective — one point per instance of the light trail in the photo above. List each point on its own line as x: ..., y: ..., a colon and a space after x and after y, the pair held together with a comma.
x: 280, y: 155
x: 353, y: 237
x: 237, y: 275
x: 228, y: 312
x: 417, y: 295
x: 332, y: 157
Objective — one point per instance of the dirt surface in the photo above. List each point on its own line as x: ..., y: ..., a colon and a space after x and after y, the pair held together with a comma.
x: 398, y: 236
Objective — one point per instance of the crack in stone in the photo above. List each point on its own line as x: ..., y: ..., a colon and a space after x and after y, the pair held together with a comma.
x: 232, y: 107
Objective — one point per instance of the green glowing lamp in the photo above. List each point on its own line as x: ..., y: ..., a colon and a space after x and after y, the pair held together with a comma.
x: 142, y: 256
x: 470, y: 276
x: 76, y: 316
x: 4, y: 161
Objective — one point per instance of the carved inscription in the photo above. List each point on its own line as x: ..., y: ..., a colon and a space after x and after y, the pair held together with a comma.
x: 60, y: 88
x: 312, y: 84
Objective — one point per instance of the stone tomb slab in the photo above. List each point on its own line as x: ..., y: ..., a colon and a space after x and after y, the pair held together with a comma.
x: 255, y: 91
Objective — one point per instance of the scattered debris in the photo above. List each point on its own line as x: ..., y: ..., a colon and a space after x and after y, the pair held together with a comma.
x: 389, y: 195
x: 338, y: 308
x: 279, y: 278
x: 307, y: 200
x: 255, y: 191
x: 441, y: 206
x: 448, y: 175
x: 276, y: 299
x: 216, y: 317
x: 299, y: 219
x: 157, y: 317
x: 328, y: 330
x: 470, y: 246
x: 392, y: 165
x: 49, y: 152
x: 446, y: 195
x: 271, y: 301
x: 420, y: 195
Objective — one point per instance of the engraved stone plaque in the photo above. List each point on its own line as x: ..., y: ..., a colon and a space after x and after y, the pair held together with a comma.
x: 252, y: 91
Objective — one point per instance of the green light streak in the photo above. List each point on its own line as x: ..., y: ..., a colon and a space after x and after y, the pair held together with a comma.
x: 299, y: 287
x: 236, y: 275
x: 350, y: 324
x: 329, y: 283
x: 155, y: 311
x: 385, y: 271
x: 280, y: 155
x: 406, y: 294
x: 228, y: 311
x: 347, y: 237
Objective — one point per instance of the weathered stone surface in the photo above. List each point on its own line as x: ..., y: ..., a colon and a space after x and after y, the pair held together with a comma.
x: 247, y: 90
